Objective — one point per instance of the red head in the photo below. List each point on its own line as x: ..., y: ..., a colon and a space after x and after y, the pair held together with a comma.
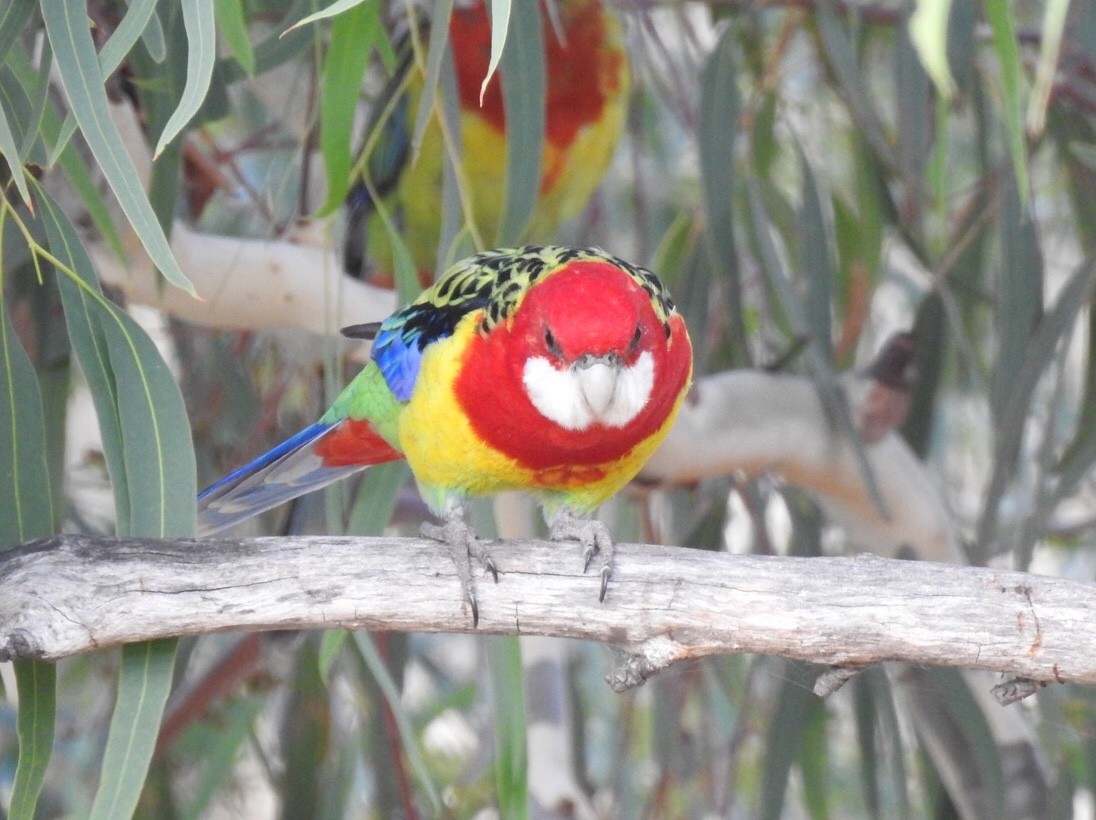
x: 583, y: 370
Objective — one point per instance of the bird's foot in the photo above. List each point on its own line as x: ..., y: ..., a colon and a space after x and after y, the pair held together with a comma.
x: 594, y: 537
x: 461, y: 538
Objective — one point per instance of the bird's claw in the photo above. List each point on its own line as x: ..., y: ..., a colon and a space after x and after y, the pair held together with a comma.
x: 466, y: 547
x: 595, y: 538
x: 588, y: 556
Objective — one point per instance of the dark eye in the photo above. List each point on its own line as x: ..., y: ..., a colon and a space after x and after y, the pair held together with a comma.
x: 637, y: 337
x: 551, y: 343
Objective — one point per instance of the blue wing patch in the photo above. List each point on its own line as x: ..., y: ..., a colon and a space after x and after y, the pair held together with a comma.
x: 404, y: 336
x: 289, y: 470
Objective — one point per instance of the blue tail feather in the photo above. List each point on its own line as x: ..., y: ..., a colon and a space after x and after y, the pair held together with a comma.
x: 289, y: 470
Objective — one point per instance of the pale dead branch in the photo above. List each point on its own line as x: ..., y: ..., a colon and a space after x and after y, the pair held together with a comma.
x: 70, y: 594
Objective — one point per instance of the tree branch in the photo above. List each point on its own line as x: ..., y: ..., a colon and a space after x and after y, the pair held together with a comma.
x: 70, y: 594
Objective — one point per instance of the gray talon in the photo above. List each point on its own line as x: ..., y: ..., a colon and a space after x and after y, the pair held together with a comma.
x: 460, y: 537
x: 594, y: 537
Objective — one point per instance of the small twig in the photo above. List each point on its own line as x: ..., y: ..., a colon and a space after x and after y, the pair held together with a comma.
x: 833, y: 679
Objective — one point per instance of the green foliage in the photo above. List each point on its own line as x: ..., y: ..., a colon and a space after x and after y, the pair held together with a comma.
x: 807, y: 176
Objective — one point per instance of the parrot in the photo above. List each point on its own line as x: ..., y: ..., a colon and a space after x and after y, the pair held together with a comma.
x: 587, y: 83
x: 551, y: 370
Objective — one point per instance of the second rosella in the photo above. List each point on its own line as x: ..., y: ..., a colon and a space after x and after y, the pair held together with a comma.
x: 552, y: 370
x: 587, y: 81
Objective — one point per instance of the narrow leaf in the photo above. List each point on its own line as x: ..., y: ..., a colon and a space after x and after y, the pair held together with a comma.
x: 37, y: 685
x: 331, y: 645
x: 508, y: 697
x: 1019, y: 291
x: 999, y: 14
x: 841, y: 54
x: 232, y: 24
x: 500, y: 27
x: 114, y: 51
x: 1054, y: 24
x: 439, y: 45
x: 78, y: 67
x: 157, y: 446
x: 785, y: 736
x: 201, y: 35
x: 24, y: 477
x: 523, y: 93
x: 144, y: 683
x: 929, y: 33
x: 25, y: 495
x: 352, y: 36
x: 716, y: 134
x: 78, y: 296
x: 13, y: 20
x: 9, y: 150
x: 337, y: 7
x: 1013, y: 415
x: 368, y: 653
x: 815, y: 261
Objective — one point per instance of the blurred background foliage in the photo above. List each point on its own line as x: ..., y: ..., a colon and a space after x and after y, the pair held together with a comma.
x: 808, y: 176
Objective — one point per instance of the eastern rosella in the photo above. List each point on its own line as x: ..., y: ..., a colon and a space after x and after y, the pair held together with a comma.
x: 551, y: 370
x: 587, y: 80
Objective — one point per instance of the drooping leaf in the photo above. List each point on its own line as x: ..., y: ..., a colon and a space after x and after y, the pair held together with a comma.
x: 9, y: 150
x: 815, y: 259
x: 24, y: 477
x: 232, y: 24
x: 37, y: 684
x: 1012, y: 417
x: 500, y: 29
x: 368, y: 654
x: 524, y: 84
x: 201, y: 32
x: 1002, y: 25
x: 438, y: 47
x: 78, y: 67
x: 146, y: 436
x: 508, y: 697
x: 716, y: 135
x: 1019, y: 295
x: 785, y: 736
x: 352, y: 37
x: 1050, y: 47
x: 144, y: 682
x: 841, y: 54
x: 218, y: 746
x: 25, y: 495
x: 13, y: 20
x: 336, y: 8
x: 928, y: 30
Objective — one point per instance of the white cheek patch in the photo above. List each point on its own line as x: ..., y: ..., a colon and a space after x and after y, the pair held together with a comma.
x: 633, y: 389
x: 558, y: 394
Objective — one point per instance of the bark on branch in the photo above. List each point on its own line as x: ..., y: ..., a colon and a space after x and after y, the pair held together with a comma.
x: 70, y: 594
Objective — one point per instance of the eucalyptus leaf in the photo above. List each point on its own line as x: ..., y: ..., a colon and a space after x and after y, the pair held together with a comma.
x: 500, y: 27
x: 201, y: 31
x: 144, y: 682
x: 232, y: 24
x: 524, y: 86
x: 928, y: 30
x: 1001, y: 23
x: 37, y: 684
x: 24, y: 476
x: 508, y: 698
x: 352, y: 37
x: 9, y: 150
x: 78, y: 67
